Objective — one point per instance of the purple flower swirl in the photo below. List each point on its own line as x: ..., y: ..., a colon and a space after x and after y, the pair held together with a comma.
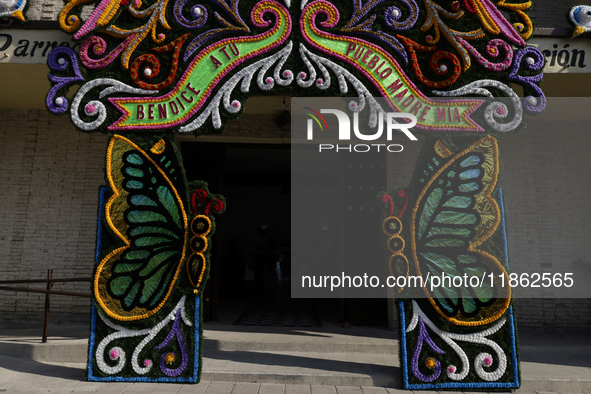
x: 393, y: 14
x: 198, y: 12
x: 175, y: 331
x: 208, y: 35
x: 423, y: 336
x: 392, y: 17
x: 58, y: 60
x: 533, y: 62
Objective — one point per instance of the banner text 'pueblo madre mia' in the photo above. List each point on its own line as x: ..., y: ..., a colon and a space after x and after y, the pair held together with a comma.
x: 386, y: 74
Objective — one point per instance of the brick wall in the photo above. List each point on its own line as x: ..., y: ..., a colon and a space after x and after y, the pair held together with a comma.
x: 545, y: 177
x: 48, y: 208
x: 48, y: 10
x: 551, y: 13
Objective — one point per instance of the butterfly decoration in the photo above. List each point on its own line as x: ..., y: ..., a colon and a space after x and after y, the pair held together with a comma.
x: 153, y: 262
x: 452, y: 214
x: 148, y: 214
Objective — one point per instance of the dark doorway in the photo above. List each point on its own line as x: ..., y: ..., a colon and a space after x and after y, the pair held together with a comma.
x: 362, y: 209
x: 206, y: 162
x: 250, y: 271
x: 255, y: 228
x: 256, y: 245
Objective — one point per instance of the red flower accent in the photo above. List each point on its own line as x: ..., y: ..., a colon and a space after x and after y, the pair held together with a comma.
x: 155, y: 64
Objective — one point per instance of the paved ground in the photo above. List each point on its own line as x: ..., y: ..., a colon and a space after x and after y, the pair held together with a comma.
x: 25, y: 376
x: 557, y: 363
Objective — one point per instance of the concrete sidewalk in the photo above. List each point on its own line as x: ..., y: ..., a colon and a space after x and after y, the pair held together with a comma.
x: 25, y: 376
x: 259, y: 360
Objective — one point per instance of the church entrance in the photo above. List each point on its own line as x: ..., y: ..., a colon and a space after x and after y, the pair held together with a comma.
x: 250, y: 277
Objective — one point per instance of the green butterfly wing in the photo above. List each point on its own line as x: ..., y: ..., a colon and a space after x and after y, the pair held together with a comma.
x: 147, y: 213
x: 455, y: 213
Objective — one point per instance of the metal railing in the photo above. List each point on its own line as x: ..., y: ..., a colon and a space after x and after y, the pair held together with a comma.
x: 48, y: 292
